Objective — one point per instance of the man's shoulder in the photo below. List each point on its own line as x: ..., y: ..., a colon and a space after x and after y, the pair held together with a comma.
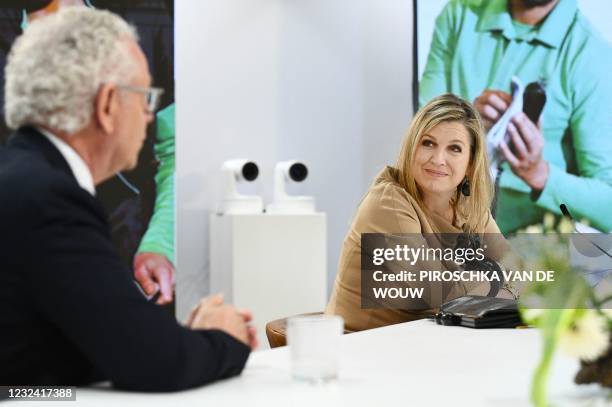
x: 587, y: 29
x: 585, y: 42
x: 27, y: 173
x: 31, y: 186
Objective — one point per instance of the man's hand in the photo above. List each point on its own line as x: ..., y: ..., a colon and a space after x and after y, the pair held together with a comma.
x: 525, y: 158
x: 491, y: 104
x: 251, y: 331
x: 154, y: 272
x: 211, y: 313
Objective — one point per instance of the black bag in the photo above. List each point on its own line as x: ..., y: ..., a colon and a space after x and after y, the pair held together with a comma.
x: 476, y: 311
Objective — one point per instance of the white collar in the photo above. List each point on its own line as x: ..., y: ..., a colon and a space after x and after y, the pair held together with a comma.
x: 79, y: 169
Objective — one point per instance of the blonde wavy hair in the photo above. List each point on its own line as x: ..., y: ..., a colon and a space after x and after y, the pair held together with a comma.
x: 447, y: 108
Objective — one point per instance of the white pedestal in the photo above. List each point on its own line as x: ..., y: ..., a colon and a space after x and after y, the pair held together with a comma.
x: 272, y: 264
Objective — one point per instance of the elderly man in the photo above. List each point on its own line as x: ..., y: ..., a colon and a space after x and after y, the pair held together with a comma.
x: 78, y: 94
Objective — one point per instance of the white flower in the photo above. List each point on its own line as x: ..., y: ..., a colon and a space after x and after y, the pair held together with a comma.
x: 549, y: 221
x: 587, y: 338
x: 531, y: 315
x: 534, y: 229
x: 565, y: 226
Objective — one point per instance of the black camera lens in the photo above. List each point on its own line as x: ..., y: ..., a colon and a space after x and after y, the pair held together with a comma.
x: 298, y: 172
x: 250, y: 171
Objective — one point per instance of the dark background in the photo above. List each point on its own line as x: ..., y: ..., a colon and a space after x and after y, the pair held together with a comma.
x: 129, y: 212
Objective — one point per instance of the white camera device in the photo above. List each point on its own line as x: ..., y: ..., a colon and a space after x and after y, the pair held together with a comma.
x: 232, y: 202
x: 284, y: 172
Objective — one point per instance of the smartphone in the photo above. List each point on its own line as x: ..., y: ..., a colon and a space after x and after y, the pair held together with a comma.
x: 534, y: 99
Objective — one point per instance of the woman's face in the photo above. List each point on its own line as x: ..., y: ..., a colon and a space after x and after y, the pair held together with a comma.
x: 441, y: 158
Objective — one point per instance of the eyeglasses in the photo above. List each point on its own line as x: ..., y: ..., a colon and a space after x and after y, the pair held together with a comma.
x: 153, y: 95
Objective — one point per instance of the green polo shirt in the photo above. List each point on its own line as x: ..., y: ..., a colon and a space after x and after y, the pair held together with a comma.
x: 477, y: 46
x: 159, y: 237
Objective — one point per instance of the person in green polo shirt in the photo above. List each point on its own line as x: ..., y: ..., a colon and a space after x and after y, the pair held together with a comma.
x: 154, y: 261
x: 478, y: 45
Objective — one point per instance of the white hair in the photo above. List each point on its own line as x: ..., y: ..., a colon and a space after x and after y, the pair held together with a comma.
x: 55, y: 68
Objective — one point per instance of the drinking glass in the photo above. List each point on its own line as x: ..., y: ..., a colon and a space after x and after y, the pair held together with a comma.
x: 314, y: 342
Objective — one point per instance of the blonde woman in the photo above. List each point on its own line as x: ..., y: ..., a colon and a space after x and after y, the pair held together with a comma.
x: 440, y: 184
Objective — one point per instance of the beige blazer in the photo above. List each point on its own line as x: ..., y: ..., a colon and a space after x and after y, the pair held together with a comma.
x: 388, y: 208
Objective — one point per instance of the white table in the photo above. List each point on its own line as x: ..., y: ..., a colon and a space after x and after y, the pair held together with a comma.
x: 411, y: 364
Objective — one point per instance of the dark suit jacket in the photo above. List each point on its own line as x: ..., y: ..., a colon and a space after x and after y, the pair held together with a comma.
x: 70, y: 312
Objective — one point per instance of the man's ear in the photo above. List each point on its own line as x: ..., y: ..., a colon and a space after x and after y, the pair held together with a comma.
x: 106, y: 106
